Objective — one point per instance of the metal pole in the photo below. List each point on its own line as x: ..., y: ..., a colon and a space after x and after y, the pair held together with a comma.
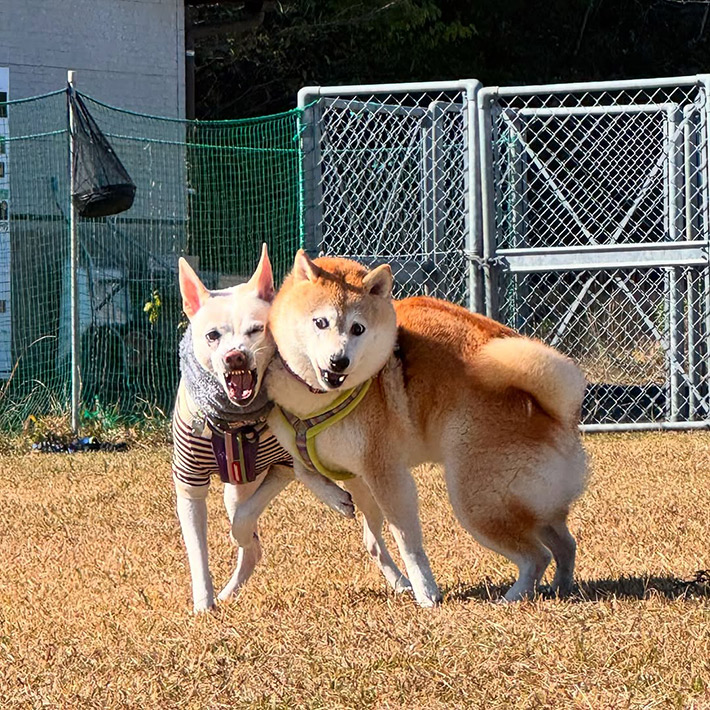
x: 433, y: 198
x: 704, y: 147
x: 643, y: 426
x: 74, y: 290
x: 488, y: 216
x: 309, y: 167
x: 520, y: 313
x: 692, y: 230
x: 474, y: 241
x: 598, y: 86
x: 189, y: 64
x: 426, y: 132
x: 675, y: 274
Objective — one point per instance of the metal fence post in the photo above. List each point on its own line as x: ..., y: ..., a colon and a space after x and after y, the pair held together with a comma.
x: 311, y: 202
x: 704, y: 176
x: 433, y: 197
x: 487, y: 174
x: 74, y: 269
x: 472, y: 188
x: 693, y: 207
x: 675, y: 274
x: 519, y: 308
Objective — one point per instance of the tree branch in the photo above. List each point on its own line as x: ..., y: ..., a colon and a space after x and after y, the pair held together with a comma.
x: 251, y: 22
x: 582, y: 29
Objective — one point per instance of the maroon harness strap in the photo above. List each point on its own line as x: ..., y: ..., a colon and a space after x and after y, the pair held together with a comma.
x: 235, y: 452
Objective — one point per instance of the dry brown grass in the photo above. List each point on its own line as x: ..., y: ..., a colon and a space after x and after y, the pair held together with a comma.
x: 94, y: 597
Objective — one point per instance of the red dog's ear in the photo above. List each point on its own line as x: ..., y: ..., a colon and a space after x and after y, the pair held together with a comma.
x: 263, y: 279
x: 304, y: 269
x: 194, y: 294
x: 379, y: 281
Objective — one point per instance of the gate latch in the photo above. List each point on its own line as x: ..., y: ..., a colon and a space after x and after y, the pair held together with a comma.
x: 483, y: 263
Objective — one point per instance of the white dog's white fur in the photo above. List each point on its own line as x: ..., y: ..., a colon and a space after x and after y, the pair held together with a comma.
x: 239, y: 314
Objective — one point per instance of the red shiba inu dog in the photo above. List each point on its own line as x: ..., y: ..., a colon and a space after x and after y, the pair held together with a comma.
x: 367, y: 388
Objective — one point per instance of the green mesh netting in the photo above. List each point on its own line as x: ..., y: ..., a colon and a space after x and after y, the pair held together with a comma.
x: 211, y: 190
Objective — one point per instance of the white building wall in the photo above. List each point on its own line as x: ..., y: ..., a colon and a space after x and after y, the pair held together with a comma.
x: 128, y: 53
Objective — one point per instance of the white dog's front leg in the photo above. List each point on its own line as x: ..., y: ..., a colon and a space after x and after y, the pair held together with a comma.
x: 247, y: 560
x: 192, y: 513
x: 327, y: 491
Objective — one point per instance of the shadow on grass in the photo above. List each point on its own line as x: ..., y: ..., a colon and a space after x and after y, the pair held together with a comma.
x: 631, y: 587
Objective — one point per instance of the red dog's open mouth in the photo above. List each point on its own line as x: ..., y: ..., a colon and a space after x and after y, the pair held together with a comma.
x: 333, y: 379
x: 240, y: 385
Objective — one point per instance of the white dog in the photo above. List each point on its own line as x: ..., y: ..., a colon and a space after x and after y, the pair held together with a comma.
x: 219, y: 422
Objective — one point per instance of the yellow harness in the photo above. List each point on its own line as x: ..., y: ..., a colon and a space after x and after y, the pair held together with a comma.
x: 305, y: 431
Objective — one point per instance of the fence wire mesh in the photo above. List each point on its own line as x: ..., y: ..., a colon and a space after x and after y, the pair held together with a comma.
x: 34, y: 247
x: 594, y: 218
x: 387, y: 179
x: 618, y: 326
x: 597, y: 167
x: 597, y: 202
x: 213, y: 191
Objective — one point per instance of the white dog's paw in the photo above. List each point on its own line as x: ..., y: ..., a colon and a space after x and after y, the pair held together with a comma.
x: 226, y: 594
x: 202, y: 606
x: 430, y: 602
x: 428, y: 596
x: 403, y: 586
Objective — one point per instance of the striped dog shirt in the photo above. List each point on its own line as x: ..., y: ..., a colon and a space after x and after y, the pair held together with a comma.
x: 195, y: 453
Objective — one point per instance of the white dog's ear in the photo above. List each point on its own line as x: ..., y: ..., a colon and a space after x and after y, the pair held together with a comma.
x: 379, y: 281
x: 194, y: 294
x: 263, y: 279
x: 304, y: 269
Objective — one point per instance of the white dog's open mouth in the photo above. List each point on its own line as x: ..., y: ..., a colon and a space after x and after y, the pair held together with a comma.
x: 332, y: 379
x: 240, y: 385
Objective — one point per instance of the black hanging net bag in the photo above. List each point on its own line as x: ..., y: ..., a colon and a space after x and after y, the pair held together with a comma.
x: 101, y: 186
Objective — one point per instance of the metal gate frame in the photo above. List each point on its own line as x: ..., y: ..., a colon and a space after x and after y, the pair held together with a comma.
x: 488, y: 260
x: 593, y: 257
x: 313, y: 99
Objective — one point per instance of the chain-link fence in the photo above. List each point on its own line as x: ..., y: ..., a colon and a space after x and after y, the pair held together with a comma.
x: 578, y: 214
x: 390, y: 175
x: 595, y: 230
x: 210, y: 190
x: 593, y: 208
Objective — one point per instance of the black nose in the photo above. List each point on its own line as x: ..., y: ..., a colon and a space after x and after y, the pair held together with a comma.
x: 235, y: 360
x: 338, y: 364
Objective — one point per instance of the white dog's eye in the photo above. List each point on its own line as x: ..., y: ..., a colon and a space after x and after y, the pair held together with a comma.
x: 321, y: 323
x: 213, y: 336
x: 254, y: 329
x: 357, y: 329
